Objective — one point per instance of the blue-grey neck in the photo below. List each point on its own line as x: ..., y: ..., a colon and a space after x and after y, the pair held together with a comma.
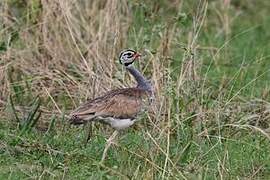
x: 142, y: 82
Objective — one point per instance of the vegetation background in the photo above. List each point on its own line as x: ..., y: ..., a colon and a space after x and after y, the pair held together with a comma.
x: 208, y: 60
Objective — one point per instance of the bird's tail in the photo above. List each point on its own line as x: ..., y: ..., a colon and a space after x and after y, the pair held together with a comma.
x: 80, y: 118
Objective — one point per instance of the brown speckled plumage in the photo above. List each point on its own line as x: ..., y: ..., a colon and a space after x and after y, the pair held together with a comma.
x: 120, y: 104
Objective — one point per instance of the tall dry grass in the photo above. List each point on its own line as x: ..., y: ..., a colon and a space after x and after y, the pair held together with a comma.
x: 70, y: 49
x: 66, y: 52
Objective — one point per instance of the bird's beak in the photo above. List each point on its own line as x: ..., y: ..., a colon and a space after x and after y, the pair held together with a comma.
x: 136, y: 55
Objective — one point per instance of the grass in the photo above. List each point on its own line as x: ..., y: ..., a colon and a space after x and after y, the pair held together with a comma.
x: 208, y: 61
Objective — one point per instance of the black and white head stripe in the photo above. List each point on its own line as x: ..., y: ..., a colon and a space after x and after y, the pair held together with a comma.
x: 127, y: 57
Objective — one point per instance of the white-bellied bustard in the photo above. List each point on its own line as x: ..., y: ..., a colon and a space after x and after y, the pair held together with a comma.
x: 118, y: 108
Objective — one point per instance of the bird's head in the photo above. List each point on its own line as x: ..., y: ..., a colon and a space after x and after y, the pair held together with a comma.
x: 128, y: 56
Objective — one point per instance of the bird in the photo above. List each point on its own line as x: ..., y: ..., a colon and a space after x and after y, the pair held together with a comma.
x: 118, y: 108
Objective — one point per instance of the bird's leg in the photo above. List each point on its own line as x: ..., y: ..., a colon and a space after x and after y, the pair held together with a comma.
x: 108, y: 144
x: 89, y: 130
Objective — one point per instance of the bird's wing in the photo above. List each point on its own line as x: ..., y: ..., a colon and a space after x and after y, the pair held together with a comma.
x: 123, y: 103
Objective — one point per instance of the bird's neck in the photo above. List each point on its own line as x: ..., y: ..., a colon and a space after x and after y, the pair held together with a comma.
x: 142, y: 82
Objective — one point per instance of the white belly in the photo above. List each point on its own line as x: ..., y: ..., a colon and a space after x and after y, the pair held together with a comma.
x: 118, y: 124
